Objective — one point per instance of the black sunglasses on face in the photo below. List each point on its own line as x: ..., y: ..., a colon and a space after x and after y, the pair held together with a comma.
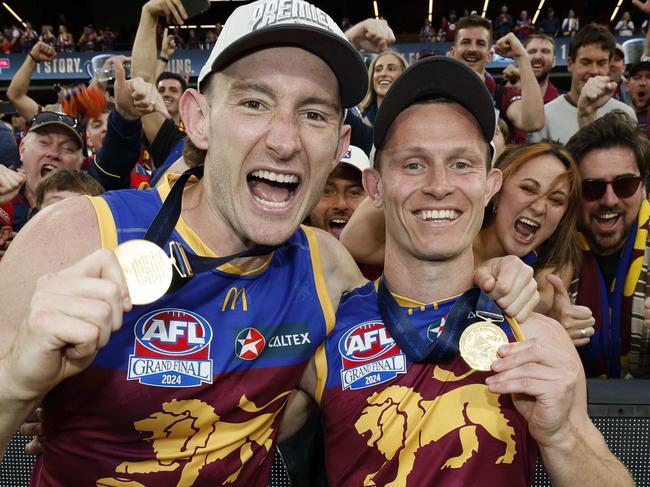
x: 623, y: 186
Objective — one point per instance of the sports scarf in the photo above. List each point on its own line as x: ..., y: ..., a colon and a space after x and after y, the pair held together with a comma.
x: 620, y: 346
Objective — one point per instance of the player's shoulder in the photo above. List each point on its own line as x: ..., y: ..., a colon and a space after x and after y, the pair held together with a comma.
x: 69, y: 226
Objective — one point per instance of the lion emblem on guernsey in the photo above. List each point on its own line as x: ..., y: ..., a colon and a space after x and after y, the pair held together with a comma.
x: 189, y: 433
x: 401, y: 422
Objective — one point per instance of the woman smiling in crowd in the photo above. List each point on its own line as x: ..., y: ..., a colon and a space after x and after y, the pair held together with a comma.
x: 383, y: 71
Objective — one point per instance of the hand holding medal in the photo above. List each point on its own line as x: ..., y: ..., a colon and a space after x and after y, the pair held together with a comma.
x: 147, y: 270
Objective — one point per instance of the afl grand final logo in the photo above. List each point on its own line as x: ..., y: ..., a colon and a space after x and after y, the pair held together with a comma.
x: 369, y: 356
x: 172, y: 349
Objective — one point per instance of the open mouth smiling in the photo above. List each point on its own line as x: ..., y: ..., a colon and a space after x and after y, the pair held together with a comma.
x: 272, y: 189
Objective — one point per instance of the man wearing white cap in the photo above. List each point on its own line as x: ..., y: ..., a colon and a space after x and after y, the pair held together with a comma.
x: 191, y: 388
x: 342, y: 194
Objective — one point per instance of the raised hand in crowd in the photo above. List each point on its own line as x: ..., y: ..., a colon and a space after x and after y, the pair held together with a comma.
x: 578, y: 321
x: 43, y: 52
x: 135, y: 97
x: 10, y: 183
x: 527, y: 113
x: 509, y: 46
x: 168, y: 45
x: 18, y: 89
x: 172, y: 10
x: 372, y: 35
x: 594, y: 94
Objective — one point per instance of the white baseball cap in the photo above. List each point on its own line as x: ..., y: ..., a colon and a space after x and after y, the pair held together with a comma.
x: 356, y: 157
x: 267, y: 23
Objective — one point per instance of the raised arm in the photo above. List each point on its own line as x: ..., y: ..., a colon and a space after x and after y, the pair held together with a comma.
x: 145, y: 52
x: 526, y: 113
x: 19, y: 86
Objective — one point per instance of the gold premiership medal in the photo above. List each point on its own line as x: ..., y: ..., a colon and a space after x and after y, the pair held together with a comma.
x: 147, y: 270
x: 479, y: 344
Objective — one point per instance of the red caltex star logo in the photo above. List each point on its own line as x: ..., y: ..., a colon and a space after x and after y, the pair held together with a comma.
x: 249, y: 344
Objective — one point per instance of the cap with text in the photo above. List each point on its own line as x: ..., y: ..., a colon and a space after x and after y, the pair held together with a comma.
x: 268, y: 23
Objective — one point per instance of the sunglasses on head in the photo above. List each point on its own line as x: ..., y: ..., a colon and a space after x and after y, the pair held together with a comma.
x: 45, y: 117
x: 623, y: 186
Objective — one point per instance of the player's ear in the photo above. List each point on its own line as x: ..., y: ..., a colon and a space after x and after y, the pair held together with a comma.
x: 195, y: 113
x: 372, y: 184
x: 345, y: 132
x: 493, y: 184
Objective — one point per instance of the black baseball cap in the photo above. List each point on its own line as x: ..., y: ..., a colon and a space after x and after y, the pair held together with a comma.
x: 433, y: 77
x: 639, y: 66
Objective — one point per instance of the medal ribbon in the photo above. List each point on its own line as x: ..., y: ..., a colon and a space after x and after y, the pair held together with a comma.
x: 187, y: 264
x: 474, y: 303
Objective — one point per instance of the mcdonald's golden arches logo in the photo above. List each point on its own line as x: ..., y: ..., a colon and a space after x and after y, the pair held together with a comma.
x: 236, y: 294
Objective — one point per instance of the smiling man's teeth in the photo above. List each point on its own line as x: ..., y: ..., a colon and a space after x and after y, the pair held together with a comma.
x: 337, y: 221
x: 438, y: 215
x: 273, y: 176
x: 528, y: 222
x: 607, y: 215
x: 274, y: 204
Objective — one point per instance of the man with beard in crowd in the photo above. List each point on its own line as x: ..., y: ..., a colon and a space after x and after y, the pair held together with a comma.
x: 612, y: 156
x: 541, y: 49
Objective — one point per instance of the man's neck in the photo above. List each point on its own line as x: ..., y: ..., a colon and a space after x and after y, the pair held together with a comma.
x: 217, y: 236
x: 427, y: 281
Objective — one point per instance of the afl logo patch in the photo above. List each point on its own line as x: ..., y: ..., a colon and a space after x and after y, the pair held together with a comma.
x: 369, y: 356
x: 249, y: 344
x: 172, y: 349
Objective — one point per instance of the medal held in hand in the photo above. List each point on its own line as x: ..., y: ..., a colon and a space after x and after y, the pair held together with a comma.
x: 479, y: 343
x: 147, y: 270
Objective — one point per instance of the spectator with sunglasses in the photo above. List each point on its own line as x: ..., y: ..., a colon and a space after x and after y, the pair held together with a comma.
x: 612, y: 154
x: 54, y: 140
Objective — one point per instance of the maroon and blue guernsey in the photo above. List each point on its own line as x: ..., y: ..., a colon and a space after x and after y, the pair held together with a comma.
x: 390, y: 422
x: 191, y: 390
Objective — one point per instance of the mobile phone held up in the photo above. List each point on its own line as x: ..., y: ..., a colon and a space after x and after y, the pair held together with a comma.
x: 195, y: 7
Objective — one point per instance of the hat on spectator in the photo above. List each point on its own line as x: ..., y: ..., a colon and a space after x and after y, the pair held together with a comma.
x: 267, y: 23
x: 6, y: 215
x: 434, y: 77
x: 355, y: 157
x: 45, y: 119
x: 639, y: 66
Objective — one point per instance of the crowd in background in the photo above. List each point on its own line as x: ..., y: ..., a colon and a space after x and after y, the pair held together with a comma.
x: 135, y: 138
